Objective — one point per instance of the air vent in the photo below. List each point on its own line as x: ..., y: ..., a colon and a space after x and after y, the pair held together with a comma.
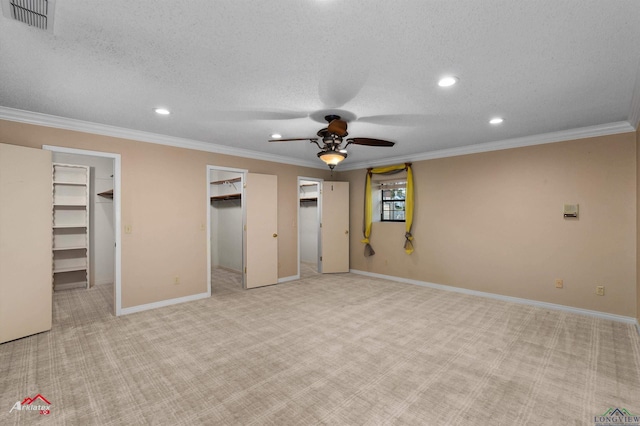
x: 35, y: 13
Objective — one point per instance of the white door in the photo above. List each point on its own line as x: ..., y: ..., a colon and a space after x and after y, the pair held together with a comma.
x: 261, y: 230
x: 25, y: 241
x: 335, y: 227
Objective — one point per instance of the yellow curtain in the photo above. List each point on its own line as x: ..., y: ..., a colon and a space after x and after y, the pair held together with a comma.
x: 368, y: 206
x: 408, y: 214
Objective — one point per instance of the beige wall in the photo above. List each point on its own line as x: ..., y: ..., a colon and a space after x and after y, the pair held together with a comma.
x: 493, y: 222
x: 163, y: 199
x: 490, y: 222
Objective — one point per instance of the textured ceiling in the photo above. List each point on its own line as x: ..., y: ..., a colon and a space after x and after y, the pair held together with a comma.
x: 232, y: 72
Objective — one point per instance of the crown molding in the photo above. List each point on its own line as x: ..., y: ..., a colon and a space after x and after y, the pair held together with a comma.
x: 544, y: 138
x: 46, y: 120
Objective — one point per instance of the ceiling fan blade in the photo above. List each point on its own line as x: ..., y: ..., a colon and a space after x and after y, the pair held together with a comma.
x: 294, y: 139
x: 370, y: 142
x: 250, y: 115
x: 408, y: 120
x: 337, y: 127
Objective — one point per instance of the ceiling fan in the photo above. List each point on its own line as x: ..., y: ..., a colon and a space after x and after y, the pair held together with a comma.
x: 331, y: 151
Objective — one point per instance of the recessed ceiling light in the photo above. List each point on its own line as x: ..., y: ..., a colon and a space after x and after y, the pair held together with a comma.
x: 276, y: 136
x: 447, y: 81
x: 162, y: 111
x: 496, y: 120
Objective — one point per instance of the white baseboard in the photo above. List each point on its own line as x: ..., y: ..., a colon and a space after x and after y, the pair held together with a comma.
x: 289, y: 278
x: 554, y: 306
x: 103, y: 281
x: 162, y: 303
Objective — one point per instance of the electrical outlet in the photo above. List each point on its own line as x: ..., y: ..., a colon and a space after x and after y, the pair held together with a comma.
x: 600, y: 290
x: 559, y: 283
x: 176, y: 280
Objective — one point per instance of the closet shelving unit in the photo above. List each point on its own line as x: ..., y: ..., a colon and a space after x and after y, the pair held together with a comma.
x: 229, y: 196
x: 70, y: 226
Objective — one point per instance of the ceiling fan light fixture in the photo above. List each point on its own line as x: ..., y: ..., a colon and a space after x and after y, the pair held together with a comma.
x: 332, y: 158
x: 496, y: 120
x: 276, y: 136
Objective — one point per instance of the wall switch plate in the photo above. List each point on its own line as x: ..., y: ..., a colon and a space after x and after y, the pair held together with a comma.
x: 127, y: 229
x: 559, y: 283
x: 600, y: 290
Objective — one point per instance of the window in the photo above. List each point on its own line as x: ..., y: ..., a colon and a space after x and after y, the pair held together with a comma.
x: 393, y: 196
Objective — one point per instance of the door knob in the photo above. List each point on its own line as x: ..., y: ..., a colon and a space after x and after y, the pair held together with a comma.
x: 346, y: 232
x: 275, y: 235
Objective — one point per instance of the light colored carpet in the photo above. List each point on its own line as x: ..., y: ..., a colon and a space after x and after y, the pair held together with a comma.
x: 327, y: 349
x: 225, y: 282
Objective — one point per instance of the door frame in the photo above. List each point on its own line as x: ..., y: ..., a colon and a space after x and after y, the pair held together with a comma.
x: 319, y: 182
x: 243, y: 179
x: 117, y: 214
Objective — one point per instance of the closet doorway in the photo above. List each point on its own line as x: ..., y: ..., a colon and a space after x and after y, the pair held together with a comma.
x: 309, y: 226
x: 103, y: 227
x: 323, y: 227
x: 225, y: 219
x: 242, y: 221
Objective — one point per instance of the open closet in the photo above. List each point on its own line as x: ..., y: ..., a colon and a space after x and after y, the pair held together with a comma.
x: 323, y: 226
x: 309, y: 226
x: 83, y: 221
x: 226, y: 230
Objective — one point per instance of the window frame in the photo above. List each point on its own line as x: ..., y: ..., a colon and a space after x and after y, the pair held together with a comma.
x: 391, y: 185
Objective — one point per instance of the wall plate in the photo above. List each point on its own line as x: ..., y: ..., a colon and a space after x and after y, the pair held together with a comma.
x: 571, y: 210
